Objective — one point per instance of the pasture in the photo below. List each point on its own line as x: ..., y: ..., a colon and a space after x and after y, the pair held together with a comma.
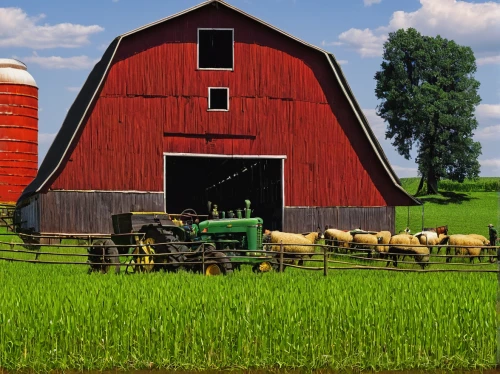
x: 59, y: 317
x: 463, y: 211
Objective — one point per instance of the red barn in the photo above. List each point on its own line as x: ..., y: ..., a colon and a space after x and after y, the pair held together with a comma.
x: 214, y: 104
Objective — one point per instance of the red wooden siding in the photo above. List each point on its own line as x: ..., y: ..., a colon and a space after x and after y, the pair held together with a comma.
x: 18, y: 139
x: 280, y: 91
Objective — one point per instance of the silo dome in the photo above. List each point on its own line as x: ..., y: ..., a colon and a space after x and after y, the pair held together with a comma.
x: 18, y: 129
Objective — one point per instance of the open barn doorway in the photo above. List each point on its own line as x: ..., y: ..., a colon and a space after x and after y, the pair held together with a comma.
x: 191, y: 181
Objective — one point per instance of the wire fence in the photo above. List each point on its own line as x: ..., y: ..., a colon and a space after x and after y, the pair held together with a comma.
x: 327, y: 257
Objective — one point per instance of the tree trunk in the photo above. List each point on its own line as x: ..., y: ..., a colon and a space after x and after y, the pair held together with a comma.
x: 420, y: 185
x: 432, y: 185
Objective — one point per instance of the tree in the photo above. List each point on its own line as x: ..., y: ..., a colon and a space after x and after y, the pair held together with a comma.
x: 428, y: 96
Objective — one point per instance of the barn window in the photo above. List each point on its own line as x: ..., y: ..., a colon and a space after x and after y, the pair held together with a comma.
x: 218, y: 98
x: 215, y: 49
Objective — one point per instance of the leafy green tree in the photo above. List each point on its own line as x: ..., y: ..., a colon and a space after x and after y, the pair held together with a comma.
x: 428, y: 96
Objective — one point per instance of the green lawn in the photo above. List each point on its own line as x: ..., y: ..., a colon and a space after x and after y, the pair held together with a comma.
x: 463, y: 212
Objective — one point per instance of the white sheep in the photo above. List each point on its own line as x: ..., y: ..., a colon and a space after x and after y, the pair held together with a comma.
x: 403, y: 244
x: 384, y: 238
x: 366, y: 241
x: 464, y: 245
x: 431, y: 239
x: 339, y: 238
x: 294, y: 244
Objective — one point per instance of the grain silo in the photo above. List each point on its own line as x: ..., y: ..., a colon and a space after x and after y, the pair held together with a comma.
x: 18, y: 129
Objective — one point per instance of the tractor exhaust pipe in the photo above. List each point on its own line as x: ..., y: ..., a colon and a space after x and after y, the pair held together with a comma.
x: 248, y: 212
x: 209, y: 207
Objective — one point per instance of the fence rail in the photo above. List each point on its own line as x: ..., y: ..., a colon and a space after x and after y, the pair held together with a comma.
x: 329, y: 256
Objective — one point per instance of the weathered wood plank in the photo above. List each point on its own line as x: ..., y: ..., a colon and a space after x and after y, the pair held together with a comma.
x: 90, y: 212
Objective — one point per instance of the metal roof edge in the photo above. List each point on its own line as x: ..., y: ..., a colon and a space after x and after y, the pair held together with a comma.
x: 365, y: 125
x: 84, y: 113
x: 35, y: 186
x: 229, y: 6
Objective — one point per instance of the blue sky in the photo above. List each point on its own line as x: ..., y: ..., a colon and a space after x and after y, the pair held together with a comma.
x: 61, y: 40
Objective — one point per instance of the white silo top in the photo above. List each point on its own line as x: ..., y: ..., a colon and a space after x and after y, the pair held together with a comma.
x: 15, y: 72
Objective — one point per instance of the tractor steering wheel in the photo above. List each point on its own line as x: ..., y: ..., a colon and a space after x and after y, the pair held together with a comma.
x: 190, y: 214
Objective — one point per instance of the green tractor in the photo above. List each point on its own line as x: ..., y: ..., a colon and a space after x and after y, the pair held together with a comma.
x: 155, y: 242
x: 240, y: 237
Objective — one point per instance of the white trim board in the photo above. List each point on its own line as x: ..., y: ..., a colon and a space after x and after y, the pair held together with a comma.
x: 198, y: 48
x: 227, y: 102
x: 109, y: 191
x: 208, y: 155
x: 254, y: 157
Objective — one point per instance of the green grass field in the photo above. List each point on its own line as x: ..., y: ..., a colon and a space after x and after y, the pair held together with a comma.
x: 463, y: 212
x: 55, y: 317
x: 59, y: 317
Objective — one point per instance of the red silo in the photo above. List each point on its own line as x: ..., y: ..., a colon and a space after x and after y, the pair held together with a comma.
x: 18, y: 129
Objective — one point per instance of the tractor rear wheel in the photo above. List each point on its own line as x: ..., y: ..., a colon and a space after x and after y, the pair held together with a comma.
x: 102, y: 255
x: 165, y: 245
x: 217, y: 263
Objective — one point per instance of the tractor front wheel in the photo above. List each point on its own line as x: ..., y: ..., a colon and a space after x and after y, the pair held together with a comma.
x: 217, y: 263
x: 263, y: 267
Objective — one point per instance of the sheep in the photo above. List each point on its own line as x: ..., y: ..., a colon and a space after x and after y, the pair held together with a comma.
x: 480, y: 237
x: 485, y: 241
x: 294, y: 243
x: 339, y: 238
x: 458, y: 242
x: 428, y: 238
x: 366, y: 241
x: 385, y: 238
x: 403, y: 244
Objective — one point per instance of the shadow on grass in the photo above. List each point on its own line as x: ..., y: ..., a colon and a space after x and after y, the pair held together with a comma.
x: 447, y: 197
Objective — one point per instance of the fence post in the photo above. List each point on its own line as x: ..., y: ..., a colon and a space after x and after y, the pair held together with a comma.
x: 281, y: 256
x: 498, y: 305
x: 203, y: 258
x: 325, y: 261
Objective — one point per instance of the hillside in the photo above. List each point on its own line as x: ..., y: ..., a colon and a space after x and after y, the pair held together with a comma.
x: 466, y: 208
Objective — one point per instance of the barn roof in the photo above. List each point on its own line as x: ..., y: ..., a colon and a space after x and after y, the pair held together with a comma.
x: 66, y: 138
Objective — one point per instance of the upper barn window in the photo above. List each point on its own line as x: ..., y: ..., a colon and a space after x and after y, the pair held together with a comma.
x: 215, y: 49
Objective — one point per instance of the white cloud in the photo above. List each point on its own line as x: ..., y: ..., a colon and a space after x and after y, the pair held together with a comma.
x: 488, y: 133
x: 493, y: 60
x: 73, y: 89
x: 484, y: 111
x: 404, y: 172
x: 493, y: 164
x: 342, y: 62
x: 324, y: 43
x: 57, y: 62
x: 371, y: 2
x: 17, y: 29
x: 472, y: 24
x: 45, y: 138
x: 365, y: 42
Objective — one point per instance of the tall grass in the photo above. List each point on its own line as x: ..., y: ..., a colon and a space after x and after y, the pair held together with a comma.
x: 55, y: 317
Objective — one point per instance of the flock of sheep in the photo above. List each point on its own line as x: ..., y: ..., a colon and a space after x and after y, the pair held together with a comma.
x: 382, y: 243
